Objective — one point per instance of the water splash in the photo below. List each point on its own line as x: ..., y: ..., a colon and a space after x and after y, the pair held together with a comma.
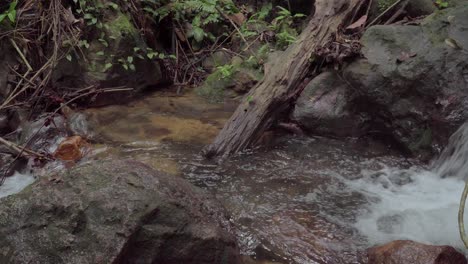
x: 424, y: 209
x: 15, y: 183
x: 417, y: 204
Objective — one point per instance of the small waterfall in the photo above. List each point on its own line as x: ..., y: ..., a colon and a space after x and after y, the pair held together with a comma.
x: 417, y: 204
x: 453, y: 162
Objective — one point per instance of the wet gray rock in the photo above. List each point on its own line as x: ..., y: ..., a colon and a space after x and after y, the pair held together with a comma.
x: 325, y: 107
x: 9, y: 163
x: 410, y: 88
x: 244, y: 79
x: 417, y: 8
x: 79, y: 124
x: 417, y: 90
x: 114, y: 212
x: 405, y: 251
x: 218, y: 58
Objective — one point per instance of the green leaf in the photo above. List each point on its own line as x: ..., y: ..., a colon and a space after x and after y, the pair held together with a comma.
x: 2, y: 17
x: 103, y: 42
x: 12, y: 15
x: 93, y: 21
x: 113, y: 5
x: 107, y: 66
x: 198, y: 34
x: 83, y: 43
x: 69, y: 57
x: 100, y: 53
x: 125, y: 66
x: 12, y: 6
x: 132, y: 67
x: 130, y: 59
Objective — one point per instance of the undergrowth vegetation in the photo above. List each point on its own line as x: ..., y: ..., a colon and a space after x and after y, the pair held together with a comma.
x: 106, y: 38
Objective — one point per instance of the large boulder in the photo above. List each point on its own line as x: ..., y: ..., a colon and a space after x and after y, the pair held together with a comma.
x: 324, y: 107
x: 114, y: 212
x: 411, y: 87
x: 418, y: 90
x: 405, y: 252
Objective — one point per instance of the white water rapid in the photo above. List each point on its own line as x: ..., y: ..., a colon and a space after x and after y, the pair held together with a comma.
x: 417, y: 204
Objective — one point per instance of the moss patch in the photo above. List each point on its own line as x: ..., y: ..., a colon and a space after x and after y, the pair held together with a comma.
x: 383, y: 5
x: 119, y: 26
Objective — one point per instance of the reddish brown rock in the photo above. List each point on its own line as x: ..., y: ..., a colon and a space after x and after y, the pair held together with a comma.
x: 406, y: 251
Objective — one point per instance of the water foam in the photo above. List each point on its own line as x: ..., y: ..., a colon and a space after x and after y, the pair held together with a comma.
x: 417, y: 204
x: 423, y: 209
x: 15, y: 183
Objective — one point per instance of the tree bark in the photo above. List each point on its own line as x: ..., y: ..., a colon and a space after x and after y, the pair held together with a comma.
x: 277, y: 91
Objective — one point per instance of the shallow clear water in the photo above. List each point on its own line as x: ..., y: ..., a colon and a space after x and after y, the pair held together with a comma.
x: 299, y: 199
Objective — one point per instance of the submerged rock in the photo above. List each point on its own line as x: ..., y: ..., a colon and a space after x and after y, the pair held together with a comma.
x: 114, y: 212
x: 405, y: 251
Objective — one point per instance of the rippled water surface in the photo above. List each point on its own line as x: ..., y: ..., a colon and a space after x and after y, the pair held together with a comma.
x: 298, y: 200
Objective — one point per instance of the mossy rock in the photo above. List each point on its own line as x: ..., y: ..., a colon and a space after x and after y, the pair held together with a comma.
x: 242, y: 77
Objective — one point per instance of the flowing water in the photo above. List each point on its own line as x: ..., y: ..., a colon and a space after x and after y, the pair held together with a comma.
x: 300, y: 200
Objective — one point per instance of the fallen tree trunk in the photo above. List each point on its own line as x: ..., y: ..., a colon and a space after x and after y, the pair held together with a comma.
x: 277, y: 91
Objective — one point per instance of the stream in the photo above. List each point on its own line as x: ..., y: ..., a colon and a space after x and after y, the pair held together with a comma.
x: 299, y: 199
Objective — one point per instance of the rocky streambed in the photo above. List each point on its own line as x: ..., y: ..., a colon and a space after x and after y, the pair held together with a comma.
x: 132, y: 198
x: 142, y: 193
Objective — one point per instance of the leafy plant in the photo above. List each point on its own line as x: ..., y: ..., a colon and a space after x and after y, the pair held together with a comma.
x: 197, y: 13
x: 102, y: 34
x: 286, y: 34
x: 226, y: 71
x: 10, y: 13
x: 441, y: 4
x: 283, y: 25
